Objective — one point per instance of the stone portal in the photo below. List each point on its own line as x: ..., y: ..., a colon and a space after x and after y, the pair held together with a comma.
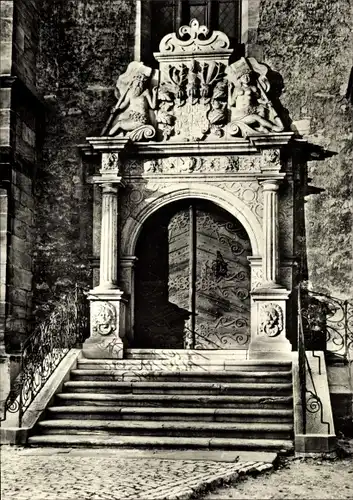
x: 196, y: 130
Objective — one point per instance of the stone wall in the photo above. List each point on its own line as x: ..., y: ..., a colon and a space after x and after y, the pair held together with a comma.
x: 310, y: 44
x: 21, y: 116
x: 84, y: 47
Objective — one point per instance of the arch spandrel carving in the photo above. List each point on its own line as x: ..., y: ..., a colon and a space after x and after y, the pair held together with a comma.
x: 155, y: 196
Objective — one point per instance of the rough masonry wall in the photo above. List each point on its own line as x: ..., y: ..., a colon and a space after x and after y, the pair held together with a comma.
x: 20, y: 115
x: 84, y: 46
x: 310, y: 44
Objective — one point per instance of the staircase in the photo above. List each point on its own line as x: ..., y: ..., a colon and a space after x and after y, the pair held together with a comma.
x: 173, y: 398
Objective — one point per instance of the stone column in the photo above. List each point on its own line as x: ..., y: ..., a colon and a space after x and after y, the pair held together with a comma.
x: 107, y: 301
x: 108, y: 269
x: 269, y: 298
x: 270, y: 234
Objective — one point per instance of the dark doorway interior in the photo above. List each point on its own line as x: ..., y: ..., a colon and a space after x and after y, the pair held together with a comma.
x: 192, y: 279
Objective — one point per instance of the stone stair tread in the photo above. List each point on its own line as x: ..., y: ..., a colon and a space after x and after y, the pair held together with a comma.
x: 191, y: 373
x: 177, y: 411
x: 160, y: 441
x: 167, y: 397
x: 171, y: 385
x: 238, y: 362
x: 172, y: 424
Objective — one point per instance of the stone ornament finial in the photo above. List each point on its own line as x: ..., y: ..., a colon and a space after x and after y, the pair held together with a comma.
x: 193, y: 44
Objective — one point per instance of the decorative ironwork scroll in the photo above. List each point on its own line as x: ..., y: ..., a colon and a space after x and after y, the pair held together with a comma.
x: 328, y: 324
x: 65, y: 328
x: 310, y: 400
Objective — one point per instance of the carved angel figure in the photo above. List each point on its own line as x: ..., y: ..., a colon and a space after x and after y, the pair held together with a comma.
x: 252, y: 112
x: 132, y: 108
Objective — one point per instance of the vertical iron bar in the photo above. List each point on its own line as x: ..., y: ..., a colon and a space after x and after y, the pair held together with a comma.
x: 301, y: 360
x: 346, y: 329
x: 20, y: 409
x: 192, y: 270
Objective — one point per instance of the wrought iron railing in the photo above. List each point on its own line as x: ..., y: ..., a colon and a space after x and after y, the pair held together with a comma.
x: 195, y: 339
x: 310, y: 401
x: 65, y: 328
x: 328, y: 324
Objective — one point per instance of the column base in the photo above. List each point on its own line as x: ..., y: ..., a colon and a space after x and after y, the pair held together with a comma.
x: 107, y: 338
x: 268, y: 320
x: 277, y: 348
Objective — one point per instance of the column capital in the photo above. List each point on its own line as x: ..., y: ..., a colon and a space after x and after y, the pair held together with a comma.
x: 109, y: 179
x: 270, y: 184
x: 110, y: 171
x: 128, y: 261
x: 109, y: 188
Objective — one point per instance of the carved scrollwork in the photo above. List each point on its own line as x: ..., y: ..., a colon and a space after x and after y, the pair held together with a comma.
x: 104, y: 318
x: 198, y: 39
x: 183, y: 165
x: 271, y: 320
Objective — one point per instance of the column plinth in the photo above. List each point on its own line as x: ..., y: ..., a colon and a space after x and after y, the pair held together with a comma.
x: 268, y: 311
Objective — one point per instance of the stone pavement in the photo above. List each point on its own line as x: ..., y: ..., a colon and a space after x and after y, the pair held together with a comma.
x: 101, y: 474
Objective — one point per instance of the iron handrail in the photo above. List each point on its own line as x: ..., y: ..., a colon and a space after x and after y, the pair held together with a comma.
x: 65, y: 328
x: 310, y: 401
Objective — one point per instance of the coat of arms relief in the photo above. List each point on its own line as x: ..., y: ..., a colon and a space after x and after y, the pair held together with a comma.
x: 196, y: 95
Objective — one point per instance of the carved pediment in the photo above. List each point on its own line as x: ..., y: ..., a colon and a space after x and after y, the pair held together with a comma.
x: 195, y: 95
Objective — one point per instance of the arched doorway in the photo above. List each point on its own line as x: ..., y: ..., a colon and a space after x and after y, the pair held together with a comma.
x: 192, y: 280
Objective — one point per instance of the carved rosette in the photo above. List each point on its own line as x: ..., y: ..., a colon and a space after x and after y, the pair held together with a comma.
x: 271, y: 317
x: 104, y: 319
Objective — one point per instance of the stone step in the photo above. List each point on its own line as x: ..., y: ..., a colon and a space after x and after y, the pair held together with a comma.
x: 176, y: 401
x: 168, y: 428
x: 203, y: 354
x: 135, y: 441
x: 195, y: 375
x: 183, y: 365
x: 198, y: 388
x: 158, y: 414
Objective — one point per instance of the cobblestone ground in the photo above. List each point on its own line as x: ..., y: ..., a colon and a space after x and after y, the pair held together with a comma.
x: 41, y: 474
x: 298, y: 479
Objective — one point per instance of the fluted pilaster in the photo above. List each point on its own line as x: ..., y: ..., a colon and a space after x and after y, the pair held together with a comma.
x: 270, y: 231
x: 109, y: 238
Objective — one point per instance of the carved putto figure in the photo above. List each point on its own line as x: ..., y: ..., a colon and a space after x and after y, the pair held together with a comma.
x: 131, y: 113
x: 252, y: 113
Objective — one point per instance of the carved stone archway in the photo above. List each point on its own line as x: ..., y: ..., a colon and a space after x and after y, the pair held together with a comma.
x: 221, y: 197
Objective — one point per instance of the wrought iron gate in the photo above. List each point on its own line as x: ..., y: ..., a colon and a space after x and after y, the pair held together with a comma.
x: 192, y: 279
